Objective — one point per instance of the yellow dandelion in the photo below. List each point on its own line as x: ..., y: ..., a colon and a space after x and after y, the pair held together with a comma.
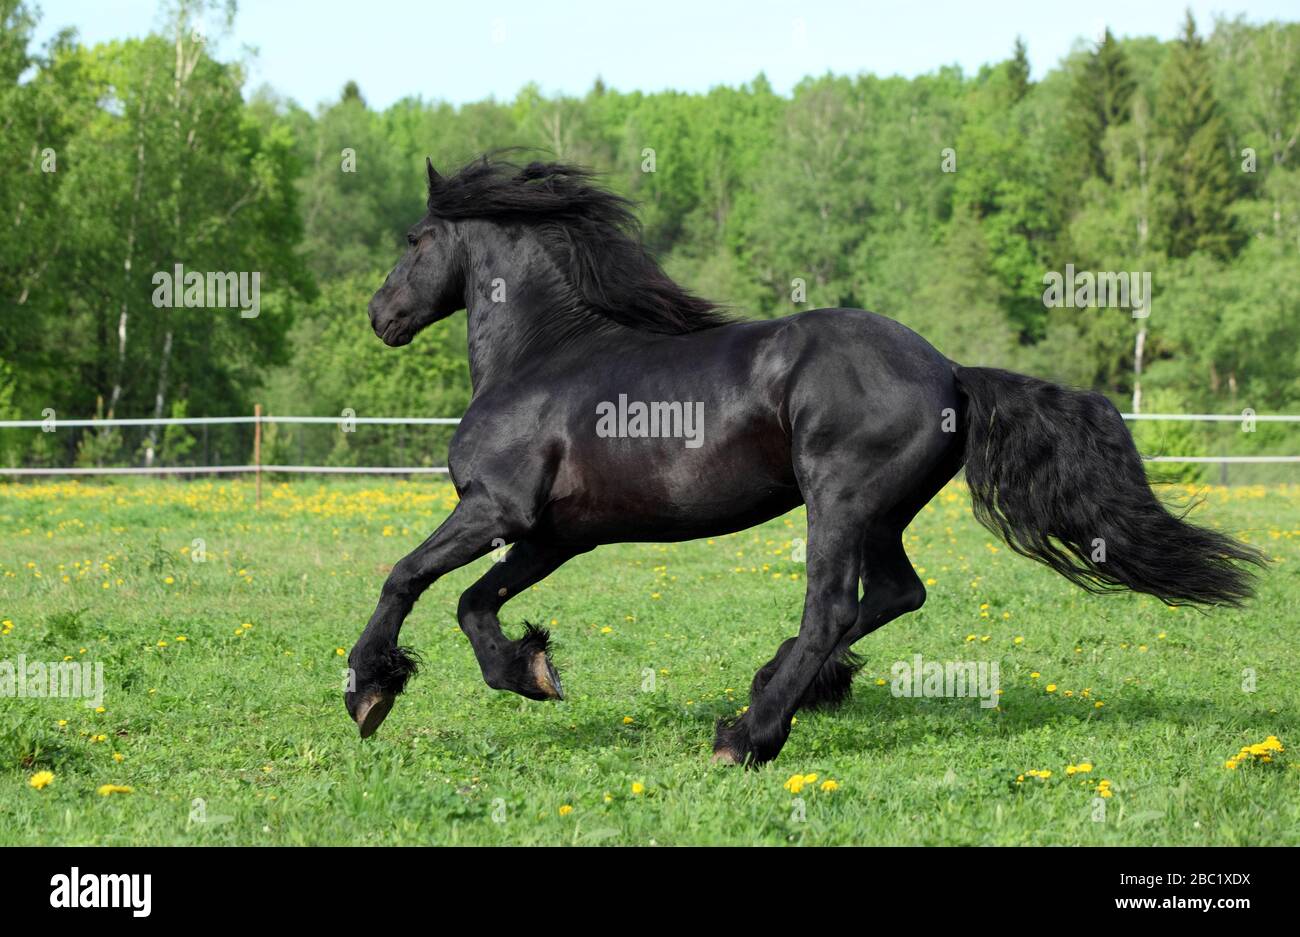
x: 41, y: 779
x: 106, y: 789
x: 566, y: 809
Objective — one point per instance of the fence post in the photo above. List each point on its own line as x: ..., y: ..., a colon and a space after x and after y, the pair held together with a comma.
x: 257, y: 450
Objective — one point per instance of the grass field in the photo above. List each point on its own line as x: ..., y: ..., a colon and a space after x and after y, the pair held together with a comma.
x: 223, y: 683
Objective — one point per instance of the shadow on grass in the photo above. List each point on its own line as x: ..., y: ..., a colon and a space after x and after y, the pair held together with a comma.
x: 872, y: 721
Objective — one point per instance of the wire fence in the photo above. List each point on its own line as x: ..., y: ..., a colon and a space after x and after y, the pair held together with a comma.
x: 347, y: 421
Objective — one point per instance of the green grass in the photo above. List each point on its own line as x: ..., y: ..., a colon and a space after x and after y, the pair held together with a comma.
x: 253, y: 723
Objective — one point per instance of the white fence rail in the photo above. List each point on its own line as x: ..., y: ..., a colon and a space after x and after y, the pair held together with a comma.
x: 234, y: 470
x: 256, y: 467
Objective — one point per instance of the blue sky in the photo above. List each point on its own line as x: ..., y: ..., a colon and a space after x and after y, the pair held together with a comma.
x: 461, y: 51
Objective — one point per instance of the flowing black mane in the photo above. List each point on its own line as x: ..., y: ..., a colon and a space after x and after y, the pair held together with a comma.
x: 594, y: 232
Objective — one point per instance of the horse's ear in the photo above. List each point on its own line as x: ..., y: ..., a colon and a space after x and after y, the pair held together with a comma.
x: 435, y: 180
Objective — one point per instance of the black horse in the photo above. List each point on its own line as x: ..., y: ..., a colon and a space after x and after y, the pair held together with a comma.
x: 611, y: 405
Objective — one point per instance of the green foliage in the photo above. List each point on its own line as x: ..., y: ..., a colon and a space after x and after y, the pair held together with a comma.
x: 177, y: 442
x: 1101, y: 98
x: 1018, y: 71
x: 9, y: 446
x: 1178, y: 159
x: 1198, y: 171
x: 1167, y: 438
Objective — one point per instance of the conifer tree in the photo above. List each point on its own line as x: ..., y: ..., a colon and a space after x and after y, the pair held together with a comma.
x: 1018, y: 71
x: 1101, y: 97
x: 1196, y: 178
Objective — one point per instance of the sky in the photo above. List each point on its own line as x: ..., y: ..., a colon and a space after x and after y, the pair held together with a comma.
x: 462, y: 51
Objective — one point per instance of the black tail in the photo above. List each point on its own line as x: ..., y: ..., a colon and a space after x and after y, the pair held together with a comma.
x: 1055, y: 472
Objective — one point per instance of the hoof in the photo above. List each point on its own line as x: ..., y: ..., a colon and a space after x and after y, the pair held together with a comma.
x: 531, y: 672
x: 383, y: 676
x: 372, y: 711
x: 548, y: 680
x: 731, y: 743
x: 736, y: 742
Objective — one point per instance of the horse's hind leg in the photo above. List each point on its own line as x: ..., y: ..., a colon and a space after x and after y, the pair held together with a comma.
x: 890, y: 588
x: 829, y: 688
x: 523, y: 666
x: 830, y: 610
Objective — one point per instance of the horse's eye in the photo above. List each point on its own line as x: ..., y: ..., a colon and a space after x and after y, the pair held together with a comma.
x: 412, y: 240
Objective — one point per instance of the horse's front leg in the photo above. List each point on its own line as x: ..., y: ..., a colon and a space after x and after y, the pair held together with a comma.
x: 521, y: 666
x: 379, y: 668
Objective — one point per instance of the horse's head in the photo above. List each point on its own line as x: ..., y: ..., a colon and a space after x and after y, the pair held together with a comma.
x: 428, y: 283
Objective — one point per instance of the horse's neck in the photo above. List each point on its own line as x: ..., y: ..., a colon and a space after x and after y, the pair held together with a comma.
x: 491, y: 350
x: 512, y: 308
x: 510, y: 337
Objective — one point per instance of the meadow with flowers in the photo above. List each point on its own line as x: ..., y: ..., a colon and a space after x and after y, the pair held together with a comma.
x: 1119, y: 720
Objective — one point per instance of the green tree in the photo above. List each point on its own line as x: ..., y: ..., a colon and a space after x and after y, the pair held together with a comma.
x: 1197, y: 174
x: 1018, y: 71
x: 1101, y: 98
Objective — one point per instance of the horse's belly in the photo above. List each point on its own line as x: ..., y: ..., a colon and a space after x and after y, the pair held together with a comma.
x: 643, y: 489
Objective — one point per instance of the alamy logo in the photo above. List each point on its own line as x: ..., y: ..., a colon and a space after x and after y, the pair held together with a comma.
x: 53, y: 679
x: 178, y: 289
x: 103, y: 891
x: 955, y: 678
x: 670, y: 419
x: 1103, y: 289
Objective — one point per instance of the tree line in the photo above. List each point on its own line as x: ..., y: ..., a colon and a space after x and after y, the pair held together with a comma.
x: 944, y: 201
